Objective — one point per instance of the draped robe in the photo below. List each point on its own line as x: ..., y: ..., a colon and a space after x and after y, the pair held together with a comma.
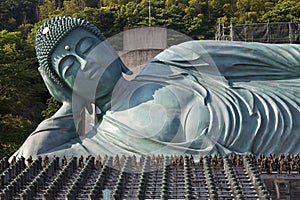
x: 198, y: 97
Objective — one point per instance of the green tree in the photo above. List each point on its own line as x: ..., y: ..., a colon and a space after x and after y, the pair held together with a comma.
x: 16, y: 12
x: 52, y: 106
x: 91, y: 3
x: 73, y: 6
x: 131, y: 15
x: 103, y: 18
x: 249, y: 10
x: 283, y: 11
x: 172, y: 18
x: 14, y: 129
x: 22, y: 91
x: 49, y: 9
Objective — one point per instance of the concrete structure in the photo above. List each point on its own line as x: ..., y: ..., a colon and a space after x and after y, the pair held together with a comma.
x: 283, y: 186
x: 140, y: 45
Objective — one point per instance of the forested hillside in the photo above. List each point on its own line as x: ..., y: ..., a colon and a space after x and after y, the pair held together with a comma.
x: 24, y: 100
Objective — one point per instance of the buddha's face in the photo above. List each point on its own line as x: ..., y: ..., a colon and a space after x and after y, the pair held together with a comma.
x: 86, y: 64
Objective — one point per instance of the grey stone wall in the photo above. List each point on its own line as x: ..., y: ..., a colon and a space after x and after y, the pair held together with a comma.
x: 140, y: 45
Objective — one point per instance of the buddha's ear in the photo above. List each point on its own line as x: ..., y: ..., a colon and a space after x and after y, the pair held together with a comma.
x: 60, y: 93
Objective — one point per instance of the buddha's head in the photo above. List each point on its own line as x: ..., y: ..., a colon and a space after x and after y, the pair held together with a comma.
x: 75, y: 56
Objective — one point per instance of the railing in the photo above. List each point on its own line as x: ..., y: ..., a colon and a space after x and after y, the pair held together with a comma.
x: 273, y: 32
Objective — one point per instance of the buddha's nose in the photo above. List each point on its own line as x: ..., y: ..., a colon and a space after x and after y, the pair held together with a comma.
x: 83, y: 63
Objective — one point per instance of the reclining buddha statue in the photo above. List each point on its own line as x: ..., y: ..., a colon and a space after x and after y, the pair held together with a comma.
x: 199, y: 97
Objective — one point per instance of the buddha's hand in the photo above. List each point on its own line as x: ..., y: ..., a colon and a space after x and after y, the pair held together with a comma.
x: 49, y: 136
x: 59, y: 130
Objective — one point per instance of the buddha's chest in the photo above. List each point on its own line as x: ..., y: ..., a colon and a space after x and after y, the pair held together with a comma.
x: 166, y: 113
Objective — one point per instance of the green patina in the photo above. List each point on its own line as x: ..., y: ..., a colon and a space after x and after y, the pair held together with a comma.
x: 198, y: 97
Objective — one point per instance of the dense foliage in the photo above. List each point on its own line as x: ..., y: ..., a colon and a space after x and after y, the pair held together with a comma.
x: 24, y: 100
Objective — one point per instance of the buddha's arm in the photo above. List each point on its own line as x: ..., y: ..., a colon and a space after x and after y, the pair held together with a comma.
x: 49, y: 134
x: 237, y: 61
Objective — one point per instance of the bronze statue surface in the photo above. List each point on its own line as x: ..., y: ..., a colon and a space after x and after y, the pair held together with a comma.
x: 198, y: 97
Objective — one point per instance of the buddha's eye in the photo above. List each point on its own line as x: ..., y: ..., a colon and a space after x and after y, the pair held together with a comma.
x: 85, y: 45
x: 66, y: 65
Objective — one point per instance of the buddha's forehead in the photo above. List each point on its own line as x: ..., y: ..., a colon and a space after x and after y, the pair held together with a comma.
x: 78, y: 34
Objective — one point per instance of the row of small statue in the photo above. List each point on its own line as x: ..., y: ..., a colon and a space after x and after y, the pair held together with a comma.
x: 278, y: 164
x: 265, y: 164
